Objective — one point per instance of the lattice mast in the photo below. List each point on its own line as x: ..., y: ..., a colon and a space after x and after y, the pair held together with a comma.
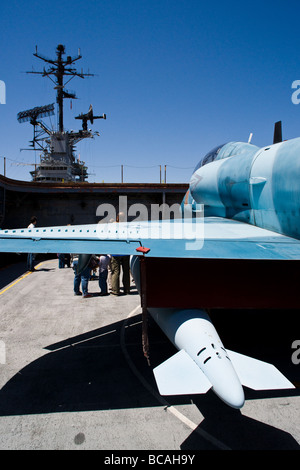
x: 59, y: 69
x: 60, y: 143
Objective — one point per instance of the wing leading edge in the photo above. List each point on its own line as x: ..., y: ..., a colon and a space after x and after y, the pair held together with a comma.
x: 210, y: 237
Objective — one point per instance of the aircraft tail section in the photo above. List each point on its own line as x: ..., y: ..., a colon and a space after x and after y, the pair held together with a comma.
x: 179, y: 375
x: 258, y: 375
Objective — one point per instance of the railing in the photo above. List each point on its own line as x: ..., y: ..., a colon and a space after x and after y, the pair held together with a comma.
x: 161, y: 170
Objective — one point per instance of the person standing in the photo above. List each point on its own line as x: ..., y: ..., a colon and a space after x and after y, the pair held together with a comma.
x: 82, y: 277
x: 118, y: 261
x: 31, y: 256
x: 61, y: 260
x: 104, y: 262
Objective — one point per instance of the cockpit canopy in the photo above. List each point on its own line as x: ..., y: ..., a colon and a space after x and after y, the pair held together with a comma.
x: 231, y: 149
x: 209, y: 157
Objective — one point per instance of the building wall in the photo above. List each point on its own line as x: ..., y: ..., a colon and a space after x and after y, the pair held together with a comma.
x: 76, y: 204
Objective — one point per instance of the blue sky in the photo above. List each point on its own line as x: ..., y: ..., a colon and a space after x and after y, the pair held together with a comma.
x: 175, y: 79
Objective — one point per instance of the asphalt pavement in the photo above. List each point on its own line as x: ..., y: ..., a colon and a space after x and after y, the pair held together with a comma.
x: 73, y: 374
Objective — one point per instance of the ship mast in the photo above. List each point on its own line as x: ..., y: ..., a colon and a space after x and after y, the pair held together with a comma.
x: 58, y: 69
x: 58, y: 162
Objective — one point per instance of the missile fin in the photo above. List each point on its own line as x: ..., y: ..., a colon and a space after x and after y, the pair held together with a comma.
x: 256, y: 374
x: 180, y: 375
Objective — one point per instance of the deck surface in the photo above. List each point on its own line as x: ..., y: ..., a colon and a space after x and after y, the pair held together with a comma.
x: 73, y: 375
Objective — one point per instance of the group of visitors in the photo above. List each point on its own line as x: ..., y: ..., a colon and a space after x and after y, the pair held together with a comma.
x: 109, y: 274
x: 109, y: 266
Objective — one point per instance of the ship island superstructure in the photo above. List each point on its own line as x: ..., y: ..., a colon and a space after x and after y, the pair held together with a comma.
x: 58, y: 161
x: 59, y: 192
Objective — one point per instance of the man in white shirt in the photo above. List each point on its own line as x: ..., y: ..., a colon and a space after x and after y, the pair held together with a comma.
x: 31, y: 256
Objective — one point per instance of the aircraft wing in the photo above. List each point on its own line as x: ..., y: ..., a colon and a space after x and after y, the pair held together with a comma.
x: 211, y: 263
x: 206, y: 238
